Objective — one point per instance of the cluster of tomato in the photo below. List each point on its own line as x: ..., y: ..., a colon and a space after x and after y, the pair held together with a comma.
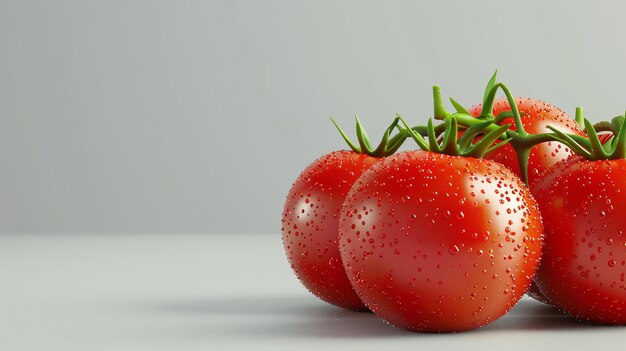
x: 509, y: 197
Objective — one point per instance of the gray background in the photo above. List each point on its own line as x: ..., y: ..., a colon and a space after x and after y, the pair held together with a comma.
x: 196, y: 116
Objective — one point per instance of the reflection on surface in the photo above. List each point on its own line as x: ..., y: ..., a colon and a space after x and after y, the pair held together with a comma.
x: 284, y: 316
x: 299, y: 316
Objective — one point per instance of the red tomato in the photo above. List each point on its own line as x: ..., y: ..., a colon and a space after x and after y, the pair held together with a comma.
x: 439, y: 243
x: 584, y: 263
x: 604, y: 137
x: 536, y: 116
x: 309, y: 225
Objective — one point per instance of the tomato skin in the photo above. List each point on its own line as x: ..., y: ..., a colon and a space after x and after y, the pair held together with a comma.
x: 537, y: 115
x: 605, y: 137
x: 309, y: 225
x: 535, y: 292
x: 439, y: 243
x: 583, y: 205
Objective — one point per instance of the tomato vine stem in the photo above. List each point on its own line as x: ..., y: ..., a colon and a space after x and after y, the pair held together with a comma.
x: 483, y: 133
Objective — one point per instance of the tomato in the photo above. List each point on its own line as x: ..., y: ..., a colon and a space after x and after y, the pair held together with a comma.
x: 309, y: 225
x: 439, y: 243
x: 536, y: 116
x: 584, y: 263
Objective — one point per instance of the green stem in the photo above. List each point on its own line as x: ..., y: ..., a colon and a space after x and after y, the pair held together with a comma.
x: 523, y: 155
x: 523, y: 144
x: 440, y: 110
x: 619, y: 150
x: 579, y: 117
x: 513, y: 105
x: 423, y: 131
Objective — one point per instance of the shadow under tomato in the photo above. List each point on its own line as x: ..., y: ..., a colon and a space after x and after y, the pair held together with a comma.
x: 279, y: 316
x: 252, y: 306
x: 533, y: 315
x: 304, y: 317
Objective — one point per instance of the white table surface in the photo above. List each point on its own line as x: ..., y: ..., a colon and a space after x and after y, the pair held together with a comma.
x: 217, y: 292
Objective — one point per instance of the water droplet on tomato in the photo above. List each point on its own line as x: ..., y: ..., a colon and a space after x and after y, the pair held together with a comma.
x: 454, y: 250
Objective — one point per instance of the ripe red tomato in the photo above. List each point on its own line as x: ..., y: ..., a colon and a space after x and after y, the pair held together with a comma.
x: 439, y: 243
x: 584, y: 263
x: 536, y: 116
x: 310, y: 221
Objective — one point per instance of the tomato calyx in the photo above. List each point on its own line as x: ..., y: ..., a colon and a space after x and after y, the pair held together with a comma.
x: 468, y: 145
x: 387, y: 146
x: 591, y: 148
x: 521, y: 141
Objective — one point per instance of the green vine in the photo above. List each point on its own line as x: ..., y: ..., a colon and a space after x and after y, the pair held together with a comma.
x: 521, y: 141
x: 591, y: 148
x: 468, y: 145
x: 483, y: 133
